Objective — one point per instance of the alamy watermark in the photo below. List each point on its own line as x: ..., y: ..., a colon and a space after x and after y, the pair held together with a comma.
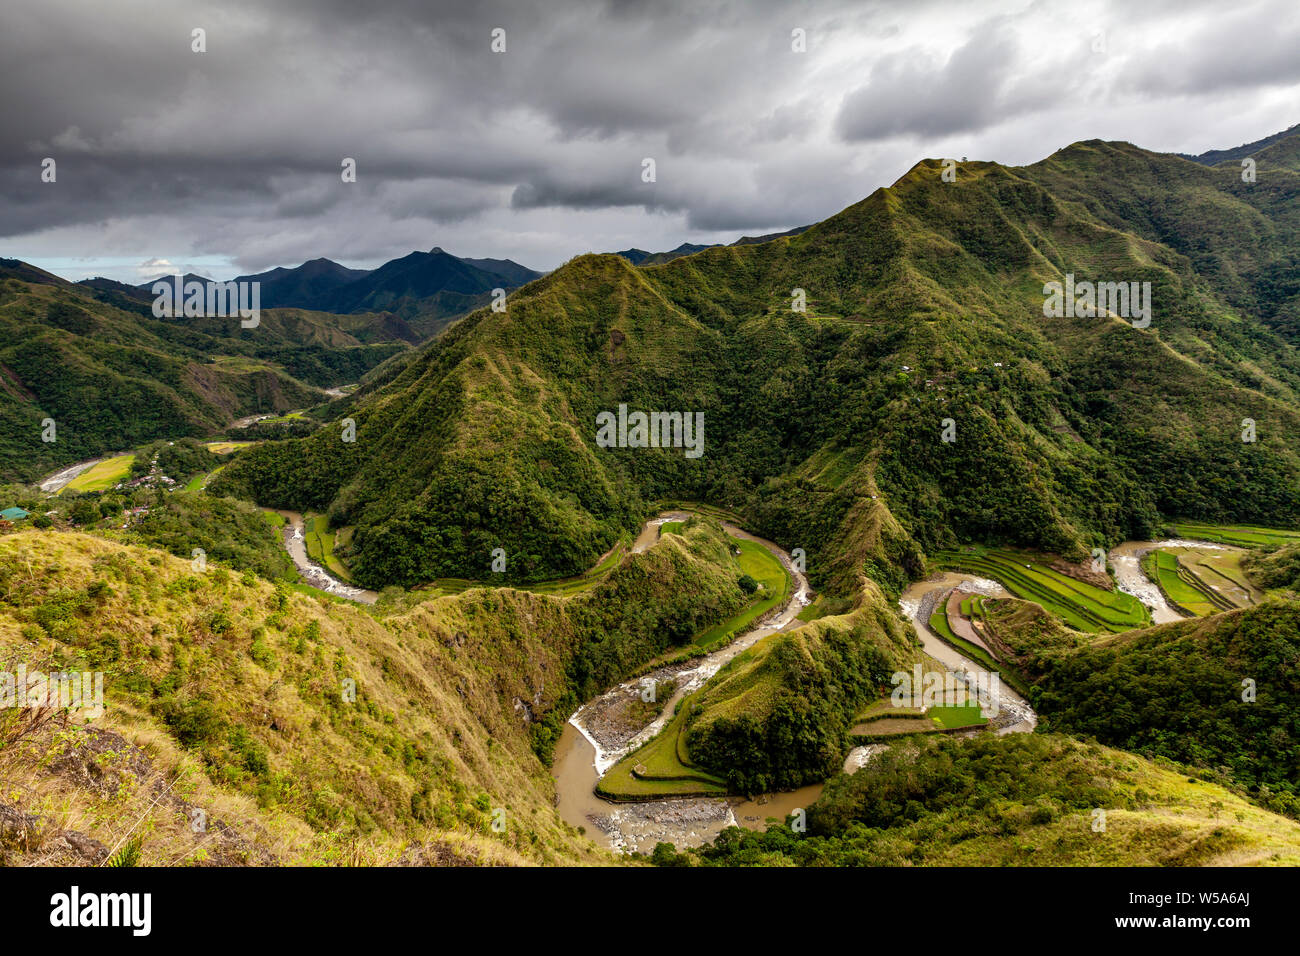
x: 66, y: 690
x: 1127, y: 300
x: 176, y: 297
x: 651, y: 430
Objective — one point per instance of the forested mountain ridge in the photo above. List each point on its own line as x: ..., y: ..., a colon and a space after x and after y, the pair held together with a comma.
x: 924, y: 310
x: 111, y: 376
x: 427, y: 289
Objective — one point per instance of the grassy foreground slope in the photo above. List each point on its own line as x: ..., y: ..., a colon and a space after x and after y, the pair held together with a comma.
x: 234, y: 695
x: 924, y: 305
x: 1018, y: 800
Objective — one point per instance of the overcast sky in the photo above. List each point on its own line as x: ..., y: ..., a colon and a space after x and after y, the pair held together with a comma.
x: 228, y: 161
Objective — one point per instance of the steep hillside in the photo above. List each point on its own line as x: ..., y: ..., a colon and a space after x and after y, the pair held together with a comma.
x: 777, y: 716
x: 825, y: 427
x: 309, y: 730
x: 1019, y: 800
x: 1220, y: 692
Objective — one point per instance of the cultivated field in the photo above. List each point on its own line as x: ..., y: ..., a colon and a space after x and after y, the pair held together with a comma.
x: 1242, y: 536
x: 1081, y: 605
x: 103, y: 476
x: 661, y: 767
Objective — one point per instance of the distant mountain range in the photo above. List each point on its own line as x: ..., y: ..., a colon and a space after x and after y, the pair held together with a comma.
x: 639, y: 257
x: 426, y: 289
x: 92, y: 357
x: 1215, y: 156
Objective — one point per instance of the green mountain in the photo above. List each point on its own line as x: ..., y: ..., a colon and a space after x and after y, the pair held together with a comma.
x: 111, y: 376
x: 428, y: 289
x: 1215, y: 156
x: 825, y: 428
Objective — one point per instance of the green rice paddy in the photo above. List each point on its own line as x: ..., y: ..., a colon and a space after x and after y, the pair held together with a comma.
x: 661, y: 767
x: 1182, y: 587
x: 955, y: 716
x: 319, y: 539
x: 1083, y: 606
x: 774, y: 585
x: 103, y: 476
x: 1241, y: 536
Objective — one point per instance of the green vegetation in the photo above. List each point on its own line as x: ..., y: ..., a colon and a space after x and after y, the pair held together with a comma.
x: 1018, y: 800
x: 1220, y: 692
x: 230, y: 532
x: 1072, y: 433
x: 179, y: 459
x: 1222, y: 571
x: 1181, y: 586
x: 759, y: 565
x: 112, y: 376
x: 1241, y: 536
x: 777, y: 716
x: 1279, y: 570
x: 319, y: 540
x: 223, y: 691
x: 957, y: 716
x: 1081, y: 605
x: 235, y: 685
x: 939, y: 624
x: 226, y: 447
x: 102, y: 476
x: 661, y: 767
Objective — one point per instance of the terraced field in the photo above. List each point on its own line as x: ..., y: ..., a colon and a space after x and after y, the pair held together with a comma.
x: 661, y: 767
x: 1241, y: 536
x: 971, y: 607
x: 1182, y: 587
x: 226, y: 447
x: 103, y: 476
x: 1221, y: 570
x: 953, y: 717
x: 320, y: 546
x: 1081, y: 605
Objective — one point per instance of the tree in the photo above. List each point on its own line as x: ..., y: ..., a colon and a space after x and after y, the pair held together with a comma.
x: 84, y: 512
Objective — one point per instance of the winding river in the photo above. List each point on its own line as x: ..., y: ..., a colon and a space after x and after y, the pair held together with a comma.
x: 590, y: 744
x: 295, y: 542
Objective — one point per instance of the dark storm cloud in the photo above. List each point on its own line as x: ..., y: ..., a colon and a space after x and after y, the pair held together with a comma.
x: 536, y: 153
